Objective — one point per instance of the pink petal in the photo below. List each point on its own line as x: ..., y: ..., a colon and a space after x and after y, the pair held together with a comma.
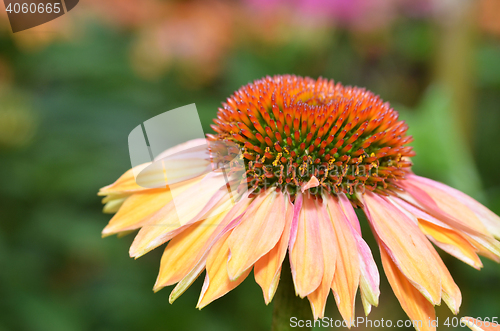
x: 347, y: 274
x: 185, y: 251
x: 259, y: 231
x: 370, y: 277
x: 349, y: 212
x: 267, y: 269
x: 441, y: 204
x: 443, y: 235
x: 451, y: 211
x: 405, y: 244
x: 487, y: 217
x: 328, y: 240
x: 182, y: 286
x: 306, y: 257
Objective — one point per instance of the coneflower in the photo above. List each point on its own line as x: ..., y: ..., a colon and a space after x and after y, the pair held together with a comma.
x: 312, y: 152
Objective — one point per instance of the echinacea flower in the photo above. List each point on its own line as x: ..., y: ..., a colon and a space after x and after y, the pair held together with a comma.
x: 312, y: 152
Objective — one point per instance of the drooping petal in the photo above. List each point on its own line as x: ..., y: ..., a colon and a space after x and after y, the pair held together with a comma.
x: 490, y: 220
x: 135, y: 211
x: 297, y: 207
x: 348, y: 210
x: 185, y: 250
x: 193, y: 204
x: 460, y: 218
x: 217, y: 281
x: 330, y: 251
x: 487, y: 247
x: 346, y: 279
x: 191, y: 147
x: 443, y: 235
x: 405, y: 244
x: 369, y: 282
x: 306, y: 257
x: 230, y: 221
x: 415, y: 305
x: 450, y: 291
x: 126, y: 183
x: 138, y: 208
x: 179, y: 163
x: 451, y: 242
x: 184, y: 161
x: 113, y: 203
x: 259, y: 231
x: 267, y: 269
x: 370, y: 277
x: 441, y: 204
x: 187, y: 164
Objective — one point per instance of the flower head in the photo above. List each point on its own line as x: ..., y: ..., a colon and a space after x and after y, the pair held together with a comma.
x: 294, y: 131
x: 311, y: 152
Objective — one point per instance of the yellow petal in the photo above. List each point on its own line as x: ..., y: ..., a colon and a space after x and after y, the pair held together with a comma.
x: 230, y: 221
x: 194, y: 204
x: 267, y: 269
x: 135, y: 211
x: 346, y: 279
x: 126, y: 183
x: 369, y: 282
x: 306, y: 257
x: 442, y: 235
x: 328, y: 241
x: 185, y: 250
x: 259, y: 231
x: 452, y: 242
x: 113, y: 205
x: 405, y: 243
x: 217, y: 281
x: 420, y: 310
x: 487, y: 247
x: 450, y: 291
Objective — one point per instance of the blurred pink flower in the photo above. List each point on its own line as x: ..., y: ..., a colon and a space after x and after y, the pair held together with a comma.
x: 358, y: 14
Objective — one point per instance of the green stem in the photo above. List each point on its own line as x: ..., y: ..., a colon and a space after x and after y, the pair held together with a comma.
x: 455, y: 59
x: 287, y: 304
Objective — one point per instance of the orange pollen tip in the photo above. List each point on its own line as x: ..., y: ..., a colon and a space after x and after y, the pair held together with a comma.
x: 291, y: 129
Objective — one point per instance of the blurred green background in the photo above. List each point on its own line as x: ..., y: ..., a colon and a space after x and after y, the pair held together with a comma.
x: 71, y: 91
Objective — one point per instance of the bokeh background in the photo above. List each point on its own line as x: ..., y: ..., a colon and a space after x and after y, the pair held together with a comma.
x: 71, y: 91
